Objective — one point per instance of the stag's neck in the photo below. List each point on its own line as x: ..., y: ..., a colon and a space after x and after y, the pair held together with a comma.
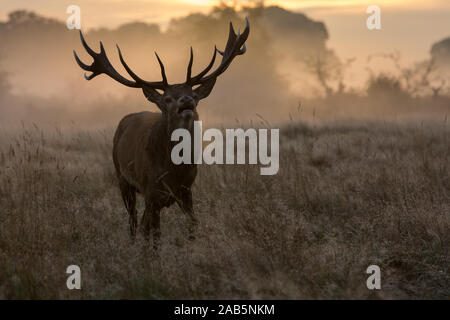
x: 160, y: 144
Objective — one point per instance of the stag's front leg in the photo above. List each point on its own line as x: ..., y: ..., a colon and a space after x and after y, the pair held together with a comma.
x: 151, y: 223
x: 129, y: 199
x: 188, y: 208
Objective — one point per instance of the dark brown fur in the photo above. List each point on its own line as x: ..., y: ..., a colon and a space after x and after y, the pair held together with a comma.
x: 141, y: 156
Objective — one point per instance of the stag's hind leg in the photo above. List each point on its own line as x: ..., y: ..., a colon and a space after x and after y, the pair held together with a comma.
x: 129, y: 199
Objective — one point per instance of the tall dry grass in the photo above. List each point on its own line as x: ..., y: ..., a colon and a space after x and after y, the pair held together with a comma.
x: 347, y: 195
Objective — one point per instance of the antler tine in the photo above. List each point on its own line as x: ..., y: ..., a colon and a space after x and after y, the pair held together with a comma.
x: 189, y: 69
x: 156, y: 85
x: 231, y: 38
x: 127, y: 68
x: 80, y: 63
x: 84, y: 67
x: 163, y: 71
x: 243, y: 50
x: 85, y: 45
x: 102, y: 49
x: 235, y: 46
x: 210, y: 65
x: 101, y: 65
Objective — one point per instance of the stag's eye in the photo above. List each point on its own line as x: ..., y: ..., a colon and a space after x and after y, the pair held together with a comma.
x: 195, y: 95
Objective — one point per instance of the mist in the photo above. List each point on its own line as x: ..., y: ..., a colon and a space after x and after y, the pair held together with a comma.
x: 288, y: 72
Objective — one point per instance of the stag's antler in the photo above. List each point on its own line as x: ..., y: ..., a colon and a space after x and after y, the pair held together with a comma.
x: 235, y: 46
x: 101, y: 65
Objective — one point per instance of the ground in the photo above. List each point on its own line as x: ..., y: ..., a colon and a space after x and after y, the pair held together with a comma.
x: 348, y: 195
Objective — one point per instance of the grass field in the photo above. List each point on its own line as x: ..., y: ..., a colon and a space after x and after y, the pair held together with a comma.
x: 347, y: 195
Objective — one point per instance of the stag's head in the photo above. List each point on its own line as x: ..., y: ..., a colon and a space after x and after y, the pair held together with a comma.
x: 177, y: 102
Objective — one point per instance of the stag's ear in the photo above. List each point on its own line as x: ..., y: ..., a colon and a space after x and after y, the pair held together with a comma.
x: 205, y: 89
x: 153, y: 96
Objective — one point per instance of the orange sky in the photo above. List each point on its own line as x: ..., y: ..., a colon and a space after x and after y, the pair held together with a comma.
x: 114, y: 12
x: 409, y: 26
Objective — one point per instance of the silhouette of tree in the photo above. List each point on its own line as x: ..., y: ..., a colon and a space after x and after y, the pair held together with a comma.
x: 440, y: 52
x: 419, y: 79
x: 385, y: 86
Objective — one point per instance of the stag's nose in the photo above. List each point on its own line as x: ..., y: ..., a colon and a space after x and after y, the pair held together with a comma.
x: 186, y: 106
x: 186, y: 101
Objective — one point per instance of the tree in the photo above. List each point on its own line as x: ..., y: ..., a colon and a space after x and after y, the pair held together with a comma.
x: 328, y: 69
x: 440, y: 51
x: 386, y: 86
x: 419, y: 79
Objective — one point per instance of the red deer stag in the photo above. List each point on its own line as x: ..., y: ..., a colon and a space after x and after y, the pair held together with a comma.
x: 142, y: 142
